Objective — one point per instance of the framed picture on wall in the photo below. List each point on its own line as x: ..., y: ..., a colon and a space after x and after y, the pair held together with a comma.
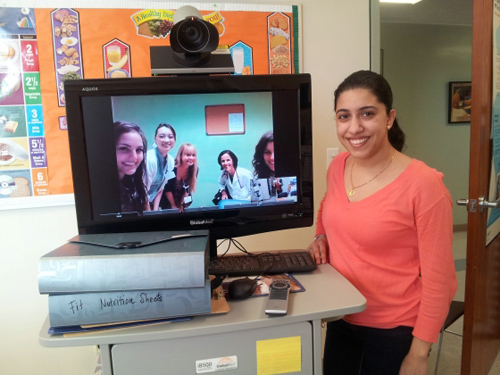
x: 459, y: 102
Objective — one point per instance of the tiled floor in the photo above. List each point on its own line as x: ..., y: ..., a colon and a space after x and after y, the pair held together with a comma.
x: 451, y: 350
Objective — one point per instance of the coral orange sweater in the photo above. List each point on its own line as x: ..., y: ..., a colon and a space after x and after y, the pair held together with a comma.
x: 395, y: 247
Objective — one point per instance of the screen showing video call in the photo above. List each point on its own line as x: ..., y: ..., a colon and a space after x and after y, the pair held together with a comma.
x: 175, y: 153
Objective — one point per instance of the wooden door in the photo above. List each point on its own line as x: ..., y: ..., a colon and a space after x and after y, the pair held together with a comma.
x: 481, y: 340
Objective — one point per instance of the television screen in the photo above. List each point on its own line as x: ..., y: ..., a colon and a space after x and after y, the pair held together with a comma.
x: 232, y: 154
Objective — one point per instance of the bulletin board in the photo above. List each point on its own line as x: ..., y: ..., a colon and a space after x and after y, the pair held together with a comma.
x: 225, y: 119
x: 40, y: 48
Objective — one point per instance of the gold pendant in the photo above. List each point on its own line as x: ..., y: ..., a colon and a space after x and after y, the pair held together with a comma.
x: 350, y: 193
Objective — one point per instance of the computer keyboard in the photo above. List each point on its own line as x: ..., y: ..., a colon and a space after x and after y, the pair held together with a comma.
x: 264, y: 263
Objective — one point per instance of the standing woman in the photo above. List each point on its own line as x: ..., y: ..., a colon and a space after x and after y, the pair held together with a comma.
x: 386, y: 224
x: 179, y: 190
x: 235, y: 179
x: 160, y: 164
x: 130, y: 144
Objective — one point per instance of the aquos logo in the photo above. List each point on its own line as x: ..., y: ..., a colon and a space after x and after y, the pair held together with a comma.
x: 90, y: 88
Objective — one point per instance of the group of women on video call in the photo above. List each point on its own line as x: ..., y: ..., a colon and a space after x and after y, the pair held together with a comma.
x: 153, y: 179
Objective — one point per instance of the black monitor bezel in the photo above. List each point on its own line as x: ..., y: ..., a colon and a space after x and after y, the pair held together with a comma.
x: 241, y: 221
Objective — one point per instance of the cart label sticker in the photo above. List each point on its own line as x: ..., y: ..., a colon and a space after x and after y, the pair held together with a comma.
x: 217, y: 364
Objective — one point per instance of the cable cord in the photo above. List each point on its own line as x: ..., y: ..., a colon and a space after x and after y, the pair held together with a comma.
x: 240, y: 247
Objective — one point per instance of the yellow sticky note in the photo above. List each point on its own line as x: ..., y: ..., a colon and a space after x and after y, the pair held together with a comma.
x: 279, y: 356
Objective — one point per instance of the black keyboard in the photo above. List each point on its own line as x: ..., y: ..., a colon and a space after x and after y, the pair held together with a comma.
x: 265, y: 263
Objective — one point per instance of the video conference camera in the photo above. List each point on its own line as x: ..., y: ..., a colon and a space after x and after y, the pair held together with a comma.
x: 192, y: 38
x: 193, y: 42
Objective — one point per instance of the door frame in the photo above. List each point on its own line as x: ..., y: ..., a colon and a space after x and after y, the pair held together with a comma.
x: 481, y: 339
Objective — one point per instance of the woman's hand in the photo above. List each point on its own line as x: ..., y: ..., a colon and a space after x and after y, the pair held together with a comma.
x: 156, y: 201
x: 223, y: 194
x: 170, y: 198
x: 414, y: 365
x: 416, y: 361
x: 319, y: 250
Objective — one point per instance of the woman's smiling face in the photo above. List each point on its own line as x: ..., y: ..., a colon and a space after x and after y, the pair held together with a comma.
x: 165, y: 140
x: 363, y: 122
x: 227, y: 163
x: 189, y: 156
x: 129, y: 153
x: 269, y: 155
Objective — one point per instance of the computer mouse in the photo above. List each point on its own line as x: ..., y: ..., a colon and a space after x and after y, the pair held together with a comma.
x: 241, y: 288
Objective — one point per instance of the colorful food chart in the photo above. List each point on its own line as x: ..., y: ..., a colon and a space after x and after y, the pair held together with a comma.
x: 67, y: 48
x: 280, y: 60
x: 242, y: 59
x: 105, y: 43
x: 117, y: 59
x: 22, y: 132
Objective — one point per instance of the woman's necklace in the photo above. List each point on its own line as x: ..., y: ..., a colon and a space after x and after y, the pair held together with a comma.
x: 185, y: 185
x: 350, y: 193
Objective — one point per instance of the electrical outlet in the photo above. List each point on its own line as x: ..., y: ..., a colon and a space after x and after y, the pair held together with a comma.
x: 330, y: 154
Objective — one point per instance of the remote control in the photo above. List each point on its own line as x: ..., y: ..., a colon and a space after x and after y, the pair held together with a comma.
x: 277, y: 304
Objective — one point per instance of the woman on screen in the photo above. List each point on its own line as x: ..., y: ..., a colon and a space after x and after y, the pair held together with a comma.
x: 130, y: 144
x: 235, y: 179
x: 263, y: 159
x: 160, y: 165
x: 179, y: 190
x: 263, y: 164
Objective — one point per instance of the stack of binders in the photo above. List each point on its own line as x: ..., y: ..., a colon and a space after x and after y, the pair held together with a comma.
x: 126, y: 277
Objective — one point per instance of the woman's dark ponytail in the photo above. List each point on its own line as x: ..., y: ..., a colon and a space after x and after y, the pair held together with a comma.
x: 396, y: 136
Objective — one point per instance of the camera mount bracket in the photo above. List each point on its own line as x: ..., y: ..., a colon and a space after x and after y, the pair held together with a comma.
x: 164, y: 61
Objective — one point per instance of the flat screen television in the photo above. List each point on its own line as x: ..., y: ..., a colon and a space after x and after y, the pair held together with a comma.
x: 214, y: 118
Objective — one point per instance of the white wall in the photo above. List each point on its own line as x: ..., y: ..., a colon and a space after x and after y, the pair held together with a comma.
x: 25, y: 236
x: 419, y: 61
x: 335, y: 43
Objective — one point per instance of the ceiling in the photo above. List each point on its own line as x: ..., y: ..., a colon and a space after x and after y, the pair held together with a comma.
x: 435, y: 12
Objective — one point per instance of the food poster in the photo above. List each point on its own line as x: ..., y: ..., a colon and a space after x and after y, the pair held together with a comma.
x: 72, y: 43
x: 279, y: 27
x: 66, y: 48
x: 22, y: 128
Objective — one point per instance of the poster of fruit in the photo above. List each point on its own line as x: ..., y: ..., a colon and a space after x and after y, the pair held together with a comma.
x: 41, y: 48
